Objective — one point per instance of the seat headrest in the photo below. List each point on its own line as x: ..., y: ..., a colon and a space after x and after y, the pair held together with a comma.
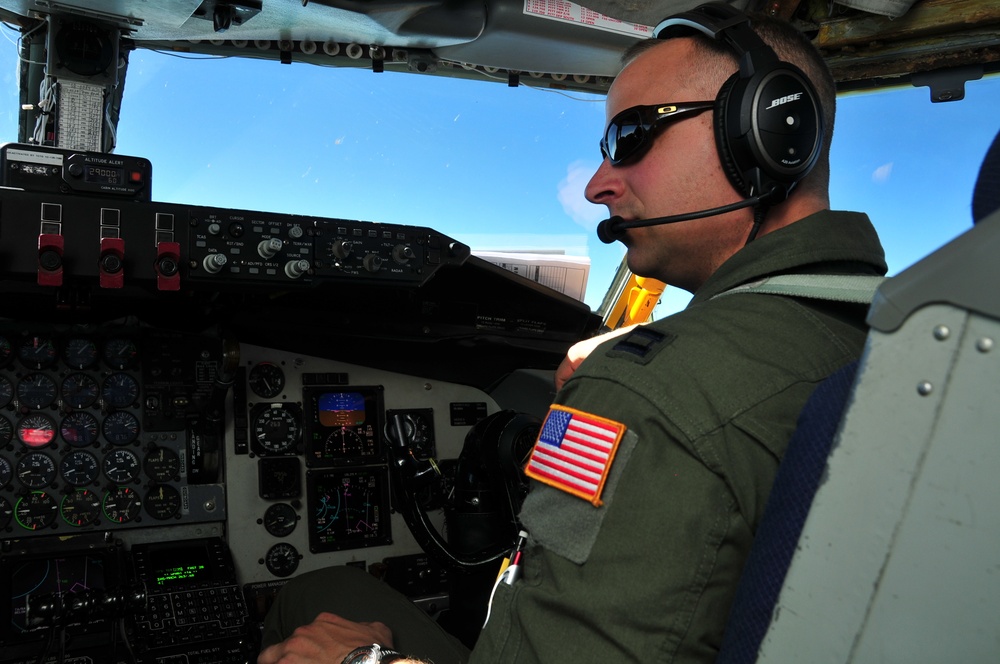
x: 986, y: 195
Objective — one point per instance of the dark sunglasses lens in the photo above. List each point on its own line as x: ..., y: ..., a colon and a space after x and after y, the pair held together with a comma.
x: 625, y: 136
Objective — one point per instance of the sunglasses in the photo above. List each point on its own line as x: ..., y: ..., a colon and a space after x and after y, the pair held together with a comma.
x: 630, y: 133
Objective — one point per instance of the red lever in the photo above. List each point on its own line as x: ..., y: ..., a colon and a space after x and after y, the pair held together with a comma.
x: 50, y: 259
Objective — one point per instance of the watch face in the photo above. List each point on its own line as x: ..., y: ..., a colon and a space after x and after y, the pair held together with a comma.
x: 363, y: 655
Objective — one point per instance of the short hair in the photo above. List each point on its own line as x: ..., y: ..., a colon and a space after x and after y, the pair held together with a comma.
x: 790, y: 45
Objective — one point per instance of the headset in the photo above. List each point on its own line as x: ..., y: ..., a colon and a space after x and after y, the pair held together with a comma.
x: 768, y: 121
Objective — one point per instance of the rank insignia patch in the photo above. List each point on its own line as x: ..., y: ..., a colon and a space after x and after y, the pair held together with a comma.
x: 574, y: 452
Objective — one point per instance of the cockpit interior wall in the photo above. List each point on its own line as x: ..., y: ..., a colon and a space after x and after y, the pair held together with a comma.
x: 198, y: 403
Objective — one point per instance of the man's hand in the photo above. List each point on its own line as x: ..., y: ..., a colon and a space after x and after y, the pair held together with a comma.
x: 579, y: 351
x: 326, y: 640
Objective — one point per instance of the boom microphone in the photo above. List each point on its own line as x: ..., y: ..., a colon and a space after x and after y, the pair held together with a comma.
x: 614, y: 228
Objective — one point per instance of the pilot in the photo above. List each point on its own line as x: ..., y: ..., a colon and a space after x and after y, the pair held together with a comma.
x: 637, y: 543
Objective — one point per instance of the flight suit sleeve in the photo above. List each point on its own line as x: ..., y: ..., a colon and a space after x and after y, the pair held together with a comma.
x: 648, y: 574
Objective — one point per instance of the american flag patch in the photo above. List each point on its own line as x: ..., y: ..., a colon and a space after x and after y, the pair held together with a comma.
x: 574, y: 452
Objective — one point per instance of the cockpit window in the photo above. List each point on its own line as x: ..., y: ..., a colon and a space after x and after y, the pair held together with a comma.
x: 499, y: 168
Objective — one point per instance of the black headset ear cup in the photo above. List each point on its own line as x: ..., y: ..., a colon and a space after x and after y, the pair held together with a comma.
x: 722, y: 102
x: 768, y: 130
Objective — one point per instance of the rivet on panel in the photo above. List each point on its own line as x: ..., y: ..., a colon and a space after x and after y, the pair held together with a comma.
x: 941, y: 332
x: 924, y: 388
x: 984, y: 345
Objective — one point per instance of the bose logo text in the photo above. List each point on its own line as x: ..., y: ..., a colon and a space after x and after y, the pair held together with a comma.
x: 784, y: 100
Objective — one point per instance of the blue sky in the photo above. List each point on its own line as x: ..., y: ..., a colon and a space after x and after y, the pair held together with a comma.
x: 493, y: 166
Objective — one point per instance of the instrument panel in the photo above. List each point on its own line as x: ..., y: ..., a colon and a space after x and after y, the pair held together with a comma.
x: 297, y: 391
x: 105, y: 430
x: 94, y: 434
x: 308, y: 477
x: 133, y: 439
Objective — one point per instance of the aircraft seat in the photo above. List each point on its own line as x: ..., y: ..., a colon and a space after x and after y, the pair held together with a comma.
x: 881, y: 538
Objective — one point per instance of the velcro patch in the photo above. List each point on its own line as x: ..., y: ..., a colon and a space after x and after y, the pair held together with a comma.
x: 641, y: 344
x: 574, y: 452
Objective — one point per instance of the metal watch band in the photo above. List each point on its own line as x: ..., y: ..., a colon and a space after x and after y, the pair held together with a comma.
x: 373, y: 654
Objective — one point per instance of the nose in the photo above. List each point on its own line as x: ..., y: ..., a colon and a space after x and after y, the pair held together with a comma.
x: 604, y: 185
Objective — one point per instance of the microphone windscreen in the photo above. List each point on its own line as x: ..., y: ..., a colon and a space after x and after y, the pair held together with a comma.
x: 609, y: 231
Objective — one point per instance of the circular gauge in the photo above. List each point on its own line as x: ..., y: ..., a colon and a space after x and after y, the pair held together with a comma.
x: 267, y: 380
x: 81, y: 508
x: 79, y: 429
x: 36, y: 390
x: 279, y: 477
x: 36, y: 510
x: 276, y: 430
x: 120, y: 353
x: 120, y: 390
x: 162, y: 464
x: 6, y: 472
x: 36, y: 430
x: 280, y: 519
x: 37, y: 352
x: 36, y: 470
x: 83, y: 50
x: 6, y: 391
x: 120, y: 427
x: 121, y: 504
x: 163, y: 501
x: 6, y: 352
x: 6, y: 431
x: 79, y: 390
x: 343, y: 442
x: 121, y: 466
x: 80, y: 353
x: 6, y: 511
x: 78, y: 468
x: 282, y: 559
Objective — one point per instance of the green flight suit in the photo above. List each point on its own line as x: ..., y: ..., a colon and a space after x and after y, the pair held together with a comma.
x: 709, y: 398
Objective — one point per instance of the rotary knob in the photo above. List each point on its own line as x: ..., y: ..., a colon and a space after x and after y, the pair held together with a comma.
x: 402, y: 253
x: 269, y: 248
x: 341, y: 248
x: 213, y: 263
x: 296, y: 268
x: 372, y: 262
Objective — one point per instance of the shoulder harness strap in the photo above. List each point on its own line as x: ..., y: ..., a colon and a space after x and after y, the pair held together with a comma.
x: 858, y: 289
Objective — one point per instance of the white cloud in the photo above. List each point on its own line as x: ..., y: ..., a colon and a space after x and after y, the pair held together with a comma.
x: 570, y: 195
x: 882, y: 173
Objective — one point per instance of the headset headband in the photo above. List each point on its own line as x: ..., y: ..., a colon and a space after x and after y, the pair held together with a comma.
x: 727, y: 24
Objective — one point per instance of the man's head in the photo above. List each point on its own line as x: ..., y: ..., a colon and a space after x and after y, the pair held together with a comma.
x: 678, y: 169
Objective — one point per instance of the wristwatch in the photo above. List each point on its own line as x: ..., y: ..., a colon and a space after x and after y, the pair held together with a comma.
x: 373, y: 654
